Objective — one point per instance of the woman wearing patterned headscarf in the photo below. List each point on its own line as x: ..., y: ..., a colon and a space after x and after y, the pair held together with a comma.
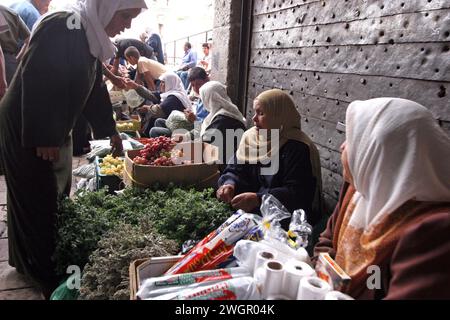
x: 296, y: 183
x: 59, y: 79
x: 394, y: 211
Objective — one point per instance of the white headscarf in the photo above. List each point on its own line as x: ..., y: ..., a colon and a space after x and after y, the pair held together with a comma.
x: 174, y: 87
x: 95, y: 16
x: 396, y: 153
x: 217, y: 102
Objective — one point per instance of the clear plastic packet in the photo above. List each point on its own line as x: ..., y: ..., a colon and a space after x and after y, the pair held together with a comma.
x: 244, y: 288
x: 134, y: 100
x: 300, y: 230
x: 187, y: 246
x: 272, y: 211
x: 218, y: 246
x: 155, y: 287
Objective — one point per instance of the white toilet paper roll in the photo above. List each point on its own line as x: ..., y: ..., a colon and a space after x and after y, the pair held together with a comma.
x: 278, y: 298
x: 294, y: 271
x: 274, y: 272
x: 312, y: 288
x: 262, y: 257
x: 336, y: 295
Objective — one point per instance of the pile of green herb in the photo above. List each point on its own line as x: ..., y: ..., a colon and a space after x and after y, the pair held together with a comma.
x: 106, y: 276
x: 178, y: 214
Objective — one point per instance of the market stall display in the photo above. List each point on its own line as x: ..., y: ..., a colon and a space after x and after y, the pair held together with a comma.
x: 186, y: 164
x: 269, y: 268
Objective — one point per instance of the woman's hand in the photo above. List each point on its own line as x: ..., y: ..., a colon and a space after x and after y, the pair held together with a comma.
x: 117, y: 146
x: 119, y: 82
x: 246, y: 201
x: 190, y: 116
x: 48, y: 154
x: 144, y: 109
x: 226, y: 193
x: 130, y: 84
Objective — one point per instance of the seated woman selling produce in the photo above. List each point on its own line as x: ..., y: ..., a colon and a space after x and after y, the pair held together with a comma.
x: 390, y: 230
x: 173, y: 97
x: 296, y: 183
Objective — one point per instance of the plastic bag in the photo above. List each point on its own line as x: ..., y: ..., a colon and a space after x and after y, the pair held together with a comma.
x: 87, y: 171
x: 272, y: 211
x: 64, y: 293
x: 155, y: 287
x: 136, y: 145
x: 177, y: 120
x: 299, y: 230
x: 134, y: 100
x: 235, y: 289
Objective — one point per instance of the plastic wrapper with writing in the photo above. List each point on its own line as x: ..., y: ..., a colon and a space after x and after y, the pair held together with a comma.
x: 218, y: 246
x: 155, y: 287
x: 235, y: 289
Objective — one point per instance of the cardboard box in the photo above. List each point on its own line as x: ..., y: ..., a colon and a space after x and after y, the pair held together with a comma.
x: 134, y: 123
x: 327, y: 269
x: 202, y: 172
x: 140, y: 270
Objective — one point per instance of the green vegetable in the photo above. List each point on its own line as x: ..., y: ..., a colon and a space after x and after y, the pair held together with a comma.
x: 177, y: 214
x: 106, y: 277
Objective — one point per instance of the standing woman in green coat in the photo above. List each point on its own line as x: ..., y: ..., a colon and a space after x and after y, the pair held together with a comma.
x: 59, y: 79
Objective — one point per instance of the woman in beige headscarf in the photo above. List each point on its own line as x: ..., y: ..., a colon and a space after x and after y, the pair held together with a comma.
x: 296, y: 183
x: 59, y: 79
x: 393, y: 220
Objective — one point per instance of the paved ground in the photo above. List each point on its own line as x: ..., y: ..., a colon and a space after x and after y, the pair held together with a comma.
x: 13, y: 286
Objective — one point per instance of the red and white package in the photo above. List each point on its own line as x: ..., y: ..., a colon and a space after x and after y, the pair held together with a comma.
x: 235, y: 289
x: 217, y: 247
x: 155, y: 287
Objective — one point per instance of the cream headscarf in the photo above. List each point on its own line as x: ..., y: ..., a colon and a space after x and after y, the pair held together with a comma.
x: 217, y: 102
x: 95, y: 16
x: 282, y: 115
x: 396, y: 153
x: 174, y: 87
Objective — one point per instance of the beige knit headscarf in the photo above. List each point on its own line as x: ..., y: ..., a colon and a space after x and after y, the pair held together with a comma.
x: 282, y: 115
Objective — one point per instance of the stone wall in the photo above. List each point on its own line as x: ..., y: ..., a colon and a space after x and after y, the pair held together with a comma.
x: 329, y: 53
x: 226, y: 40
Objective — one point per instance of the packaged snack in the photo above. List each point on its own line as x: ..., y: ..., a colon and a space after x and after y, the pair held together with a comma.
x: 327, y: 269
x: 217, y: 247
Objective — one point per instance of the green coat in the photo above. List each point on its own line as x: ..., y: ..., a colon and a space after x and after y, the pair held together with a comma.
x: 56, y: 82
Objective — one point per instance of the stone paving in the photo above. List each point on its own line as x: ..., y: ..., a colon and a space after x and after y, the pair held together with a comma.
x: 14, y: 286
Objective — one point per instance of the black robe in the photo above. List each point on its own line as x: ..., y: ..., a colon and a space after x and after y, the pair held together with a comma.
x: 56, y: 82
x: 294, y: 184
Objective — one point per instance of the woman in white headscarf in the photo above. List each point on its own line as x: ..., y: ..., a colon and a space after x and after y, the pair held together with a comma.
x: 223, y: 120
x: 394, y: 211
x: 173, y: 98
x: 295, y: 175
x: 59, y: 79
